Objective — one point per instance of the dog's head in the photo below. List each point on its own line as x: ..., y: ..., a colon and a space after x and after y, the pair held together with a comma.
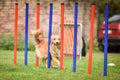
x: 55, y: 39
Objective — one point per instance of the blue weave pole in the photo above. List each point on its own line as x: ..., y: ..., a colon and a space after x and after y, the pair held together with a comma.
x: 50, y: 33
x: 26, y: 35
x: 75, y: 36
x: 106, y: 39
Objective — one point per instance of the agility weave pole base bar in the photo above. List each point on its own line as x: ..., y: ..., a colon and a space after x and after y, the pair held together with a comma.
x: 26, y: 35
x: 91, y: 39
x: 75, y: 35
x: 15, y: 33
x: 106, y: 39
x: 37, y: 27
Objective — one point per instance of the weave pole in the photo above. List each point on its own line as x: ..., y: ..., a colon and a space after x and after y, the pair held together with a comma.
x: 62, y: 36
x: 15, y: 33
x: 26, y: 35
x: 106, y: 39
x: 91, y: 39
x: 37, y: 27
x: 75, y: 35
x: 49, y: 34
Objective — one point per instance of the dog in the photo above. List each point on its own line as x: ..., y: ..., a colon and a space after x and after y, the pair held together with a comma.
x: 42, y: 47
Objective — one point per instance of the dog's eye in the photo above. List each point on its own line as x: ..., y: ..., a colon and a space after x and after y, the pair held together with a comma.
x: 58, y: 38
x: 54, y: 39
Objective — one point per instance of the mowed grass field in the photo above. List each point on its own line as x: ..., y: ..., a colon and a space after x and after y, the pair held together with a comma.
x: 30, y: 72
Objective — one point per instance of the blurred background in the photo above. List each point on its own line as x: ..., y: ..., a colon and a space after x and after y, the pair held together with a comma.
x: 7, y: 12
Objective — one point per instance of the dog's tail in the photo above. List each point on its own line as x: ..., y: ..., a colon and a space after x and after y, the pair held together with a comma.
x: 36, y: 34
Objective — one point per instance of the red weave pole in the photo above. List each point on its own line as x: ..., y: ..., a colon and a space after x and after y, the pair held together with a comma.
x: 91, y: 39
x: 37, y: 27
x: 62, y: 36
x: 15, y: 33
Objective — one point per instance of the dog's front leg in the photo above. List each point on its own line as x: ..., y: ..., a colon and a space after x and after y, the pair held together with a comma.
x: 44, y: 62
x: 57, y: 61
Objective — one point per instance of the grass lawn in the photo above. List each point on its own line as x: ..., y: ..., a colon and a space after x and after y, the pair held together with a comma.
x: 20, y: 72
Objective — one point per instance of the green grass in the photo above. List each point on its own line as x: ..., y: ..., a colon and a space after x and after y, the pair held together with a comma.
x: 20, y: 72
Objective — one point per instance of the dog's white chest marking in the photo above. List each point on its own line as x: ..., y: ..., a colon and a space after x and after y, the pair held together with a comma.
x: 38, y: 53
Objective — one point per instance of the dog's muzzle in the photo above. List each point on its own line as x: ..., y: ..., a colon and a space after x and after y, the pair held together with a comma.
x: 57, y: 43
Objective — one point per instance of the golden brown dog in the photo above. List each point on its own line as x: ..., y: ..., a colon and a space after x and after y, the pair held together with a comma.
x: 42, y: 47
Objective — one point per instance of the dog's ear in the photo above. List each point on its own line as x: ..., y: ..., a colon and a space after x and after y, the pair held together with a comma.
x: 51, y: 38
x: 41, y: 30
x: 38, y: 31
x: 32, y: 31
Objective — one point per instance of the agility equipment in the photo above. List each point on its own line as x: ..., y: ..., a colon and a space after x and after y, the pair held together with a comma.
x: 75, y: 35
x: 26, y: 35
x: 37, y: 26
x: 50, y: 33
x: 62, y: 36
x: 15, y: 33
x: 91, y: 38
x: 106, y: 39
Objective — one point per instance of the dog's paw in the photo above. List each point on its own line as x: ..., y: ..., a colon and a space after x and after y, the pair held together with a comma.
x: 55, y: 67
x: 46, y: 66
x: 62, y: 68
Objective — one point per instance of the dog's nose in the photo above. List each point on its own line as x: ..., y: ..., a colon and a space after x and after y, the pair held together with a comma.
x: 57, y: 43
